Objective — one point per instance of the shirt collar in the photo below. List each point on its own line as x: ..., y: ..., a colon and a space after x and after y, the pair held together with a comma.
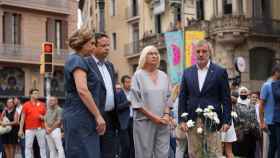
x: 98, y: 62
x: 206, y: 67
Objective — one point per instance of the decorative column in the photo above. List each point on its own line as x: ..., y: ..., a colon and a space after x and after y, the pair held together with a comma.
x: 235, y: 7
x: 220, y: 8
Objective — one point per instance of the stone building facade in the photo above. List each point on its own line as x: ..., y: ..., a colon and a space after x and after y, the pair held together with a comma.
x: 24, y: 26
x: 246, y: 28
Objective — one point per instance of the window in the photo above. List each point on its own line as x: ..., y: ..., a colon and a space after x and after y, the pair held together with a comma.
x: 261, y: 60
x: 158, y: 23
x: 113, y: 7
x: 57, y: 32
x: 11, y: 28
x: 114, y: 37
x: 227, y: 6
x: 200, y: 9
x: 134, y: 8
x: 135, y: 37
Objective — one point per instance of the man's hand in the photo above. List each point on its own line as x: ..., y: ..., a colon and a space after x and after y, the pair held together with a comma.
x: 263, y: 126
x: 225, y: 127
x: 48, y: 130
x: 183, y: 126
x: 101, y: 125
x: 20, y: 133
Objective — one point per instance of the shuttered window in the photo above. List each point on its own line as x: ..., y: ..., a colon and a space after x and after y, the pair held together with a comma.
x: 11, y: 28
x: 57, y: 32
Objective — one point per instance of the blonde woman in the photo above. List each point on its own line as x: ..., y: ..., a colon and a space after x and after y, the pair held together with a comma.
x: 150, y: 93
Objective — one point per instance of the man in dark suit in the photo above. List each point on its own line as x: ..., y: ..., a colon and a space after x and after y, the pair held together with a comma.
x: 123, y: 116
x: 104, y: 70
x: 204, y: 84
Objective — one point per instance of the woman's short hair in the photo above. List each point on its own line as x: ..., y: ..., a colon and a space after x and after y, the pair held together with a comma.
x: 80, y: 37
x: 143, y: 56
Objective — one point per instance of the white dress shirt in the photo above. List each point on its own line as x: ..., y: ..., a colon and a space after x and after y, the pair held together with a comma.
x: 127, y: 93
x: 202, y: 73
x: 110, y: 103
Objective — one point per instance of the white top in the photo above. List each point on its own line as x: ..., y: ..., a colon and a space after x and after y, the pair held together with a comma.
x: 110, y: 103
x: 202, y: 74
x: 130, y: 108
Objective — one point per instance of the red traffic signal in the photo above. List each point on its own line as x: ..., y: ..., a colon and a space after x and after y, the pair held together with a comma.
x: 47, y: 47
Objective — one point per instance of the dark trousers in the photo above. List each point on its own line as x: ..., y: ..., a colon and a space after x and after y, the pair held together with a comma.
x: 126, y: 141
x: 274, y: 140
x: 108, y: 146
x: 22, y: 147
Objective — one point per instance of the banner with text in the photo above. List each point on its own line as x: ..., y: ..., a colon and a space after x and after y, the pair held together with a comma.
x: 175, y: 55
x: 190, y: 38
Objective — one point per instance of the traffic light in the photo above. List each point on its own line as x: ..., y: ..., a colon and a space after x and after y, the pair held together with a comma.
x: 46, y: 58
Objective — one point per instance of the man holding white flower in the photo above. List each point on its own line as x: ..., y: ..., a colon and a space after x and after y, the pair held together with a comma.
x: 205, y: 97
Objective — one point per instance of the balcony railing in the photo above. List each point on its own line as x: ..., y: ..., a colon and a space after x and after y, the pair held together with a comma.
x: 22, y: 54
x: 56, y: 6
x: 135, y: 47
x: 265, y: 26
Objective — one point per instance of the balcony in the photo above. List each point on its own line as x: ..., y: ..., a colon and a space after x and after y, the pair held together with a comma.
x: 55, y: 6
x: 134, y: 48
x: 27, y: 55
x: 229, y: 30
x: 132, y: 14
x: 265, y: 27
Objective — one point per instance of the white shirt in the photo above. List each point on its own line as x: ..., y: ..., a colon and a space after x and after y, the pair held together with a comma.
x: 110, y: 103
x: 127, y: 93
x: 202, y: 75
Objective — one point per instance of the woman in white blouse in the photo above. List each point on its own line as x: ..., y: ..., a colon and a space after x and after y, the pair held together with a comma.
x: 150, y: 93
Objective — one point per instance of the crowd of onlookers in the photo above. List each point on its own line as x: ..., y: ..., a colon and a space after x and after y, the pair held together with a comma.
x: 31, y: 129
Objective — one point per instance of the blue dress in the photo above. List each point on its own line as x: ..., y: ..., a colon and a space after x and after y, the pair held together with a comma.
x: 81, y: 138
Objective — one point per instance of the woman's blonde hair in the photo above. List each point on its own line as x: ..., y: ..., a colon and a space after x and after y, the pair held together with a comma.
x: 80, y: 37
x: 143, y: 56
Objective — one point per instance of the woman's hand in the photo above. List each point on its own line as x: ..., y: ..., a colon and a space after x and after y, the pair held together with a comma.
x: 101, y: 125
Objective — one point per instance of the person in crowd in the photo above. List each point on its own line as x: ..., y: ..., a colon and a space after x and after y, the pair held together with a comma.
x: 150, y: 99
x: 83, y: 122
x: 246, y: 125
x: 203, y: 84
x: 275, y: 129
x: 32, y: 118
x: 102, y: 75
x: 123, y: 116
x: 21, y: 140
x: 230, y: 136
x: 126, y: 133
x: 53, y: 119
x: 269, y: 111
x: 254, y: 102
x: 10, y: 139
x: 181, y: 137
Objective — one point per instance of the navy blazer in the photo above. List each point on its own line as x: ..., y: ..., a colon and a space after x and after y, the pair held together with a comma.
x: 123, y: 109
x: 215, y: 92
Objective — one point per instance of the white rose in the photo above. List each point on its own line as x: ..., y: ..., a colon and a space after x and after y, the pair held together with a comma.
x: 206, y: 110
x: 190, y: 123
x: 198, y: 110
x: 210, y: 107
x: 217, y: 120
x: 184, y: 114
x: 199, y: 130
x: 234, y: 114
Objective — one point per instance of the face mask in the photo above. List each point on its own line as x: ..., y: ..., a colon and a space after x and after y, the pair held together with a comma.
x: 243, y: 97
